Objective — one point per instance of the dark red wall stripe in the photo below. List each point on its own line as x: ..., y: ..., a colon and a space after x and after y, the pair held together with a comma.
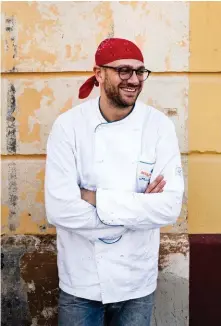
x: 205, y: 280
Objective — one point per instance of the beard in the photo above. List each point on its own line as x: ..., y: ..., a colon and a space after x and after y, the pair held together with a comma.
x: 115, y: 94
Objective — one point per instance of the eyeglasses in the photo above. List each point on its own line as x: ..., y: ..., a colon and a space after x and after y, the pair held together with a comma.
x: 125, y: 73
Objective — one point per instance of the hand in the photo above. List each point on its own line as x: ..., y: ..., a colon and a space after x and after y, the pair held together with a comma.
x: 156, y: 186
x: 89, y: 196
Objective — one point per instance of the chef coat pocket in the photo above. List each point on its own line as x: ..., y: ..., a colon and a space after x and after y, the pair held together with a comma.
x: 144, y: 173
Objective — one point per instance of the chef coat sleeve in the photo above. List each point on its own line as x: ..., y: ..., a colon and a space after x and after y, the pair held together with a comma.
x: 64, y: 206
x: 152, y: 210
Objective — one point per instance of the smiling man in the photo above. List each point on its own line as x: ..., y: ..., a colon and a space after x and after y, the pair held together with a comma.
x: 113, y: 178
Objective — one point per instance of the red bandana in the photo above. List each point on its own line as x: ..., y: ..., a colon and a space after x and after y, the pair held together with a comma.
x: 110, y: 50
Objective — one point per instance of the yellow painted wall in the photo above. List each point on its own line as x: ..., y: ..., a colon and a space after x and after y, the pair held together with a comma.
x: 204, y: 132
x: 205, y: 38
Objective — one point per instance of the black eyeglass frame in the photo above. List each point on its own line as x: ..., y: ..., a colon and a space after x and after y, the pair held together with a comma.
x: 118, y: 70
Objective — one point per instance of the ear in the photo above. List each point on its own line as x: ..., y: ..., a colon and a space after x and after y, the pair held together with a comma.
x: 99, y: 74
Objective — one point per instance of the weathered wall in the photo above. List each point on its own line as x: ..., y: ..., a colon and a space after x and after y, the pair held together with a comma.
x: 48, y: 50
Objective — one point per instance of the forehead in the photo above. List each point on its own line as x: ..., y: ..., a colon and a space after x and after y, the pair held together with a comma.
x: 127, y: 62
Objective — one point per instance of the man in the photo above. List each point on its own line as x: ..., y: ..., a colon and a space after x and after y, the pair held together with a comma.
x: 113, y: 178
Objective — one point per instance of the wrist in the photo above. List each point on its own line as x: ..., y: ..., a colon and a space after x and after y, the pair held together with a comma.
x: 89, y: 196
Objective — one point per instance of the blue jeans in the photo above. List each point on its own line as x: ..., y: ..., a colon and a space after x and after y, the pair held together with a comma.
x: 74, y: 311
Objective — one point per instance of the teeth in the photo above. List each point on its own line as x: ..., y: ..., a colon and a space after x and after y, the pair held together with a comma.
x: 129, y: 89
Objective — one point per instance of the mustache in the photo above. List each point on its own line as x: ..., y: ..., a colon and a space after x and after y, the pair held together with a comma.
x: 130, y: 85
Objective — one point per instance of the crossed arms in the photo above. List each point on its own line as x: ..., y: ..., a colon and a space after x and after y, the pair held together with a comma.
x: 73, y: 209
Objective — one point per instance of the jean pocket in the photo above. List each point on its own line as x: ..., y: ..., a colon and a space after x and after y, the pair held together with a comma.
x: 144, y: 173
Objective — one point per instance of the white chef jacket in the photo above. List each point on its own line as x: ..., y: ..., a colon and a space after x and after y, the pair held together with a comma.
x: 109, y: 253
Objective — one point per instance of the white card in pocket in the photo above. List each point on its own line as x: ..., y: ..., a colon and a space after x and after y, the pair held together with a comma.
x: 144, y: 172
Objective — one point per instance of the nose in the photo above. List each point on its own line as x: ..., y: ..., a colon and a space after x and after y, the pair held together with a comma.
x: 133, y: 79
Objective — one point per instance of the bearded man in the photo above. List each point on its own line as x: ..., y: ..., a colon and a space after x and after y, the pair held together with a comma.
x: 113, y: 179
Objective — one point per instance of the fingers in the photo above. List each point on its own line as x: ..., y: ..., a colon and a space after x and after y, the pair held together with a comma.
x: 153, y: 184
x: 157, y: 185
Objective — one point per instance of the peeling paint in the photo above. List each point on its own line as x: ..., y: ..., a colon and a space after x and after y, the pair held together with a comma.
x: 104, y: 17
x: 30, y: 281
x: 68, y: 51
x: 23, y: 200
x: 32, y: 22
x: 15, y: 310
x: 12, y: 195
x: 140, y: 40
x: 23, y: 195
x: 31, y: 286
x: 27, y: 225
x: 170, y: 112
x: 34, y: 322
x: 43, y: 32
x: 68, y: 105
x: 145, y: 6
x: 4, y: 218
x: 133, y: 4
x: 28, y: 103
x: 29, y: 215
x: 10, y: 42
x: 172, y: 244
x: 77, y: 52
x: 40, y: 101
x: 11, y: 126
x: 54, y: 9
x: 43, y: 267
x: 178, y: 264
x: 49, y: 312
x: 40, y: 194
